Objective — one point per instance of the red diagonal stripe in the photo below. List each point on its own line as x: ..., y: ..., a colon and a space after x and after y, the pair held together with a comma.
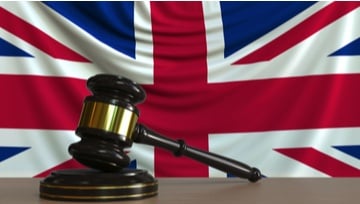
x: 300, y: 32
x: 37, y: 38
x: 320, y: 161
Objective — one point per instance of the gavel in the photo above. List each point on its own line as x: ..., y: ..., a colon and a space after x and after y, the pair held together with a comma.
x: 108, y: 124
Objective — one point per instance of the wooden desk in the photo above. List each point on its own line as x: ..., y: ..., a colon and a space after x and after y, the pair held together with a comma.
x: 213, y: 191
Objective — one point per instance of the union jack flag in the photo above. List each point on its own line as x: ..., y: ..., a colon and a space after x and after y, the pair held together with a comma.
x: 271, y: 84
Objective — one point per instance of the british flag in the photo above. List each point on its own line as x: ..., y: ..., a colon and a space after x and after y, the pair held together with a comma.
x: 271, y: 84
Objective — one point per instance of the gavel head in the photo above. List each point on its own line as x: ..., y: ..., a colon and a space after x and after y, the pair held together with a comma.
x: 107, y: 122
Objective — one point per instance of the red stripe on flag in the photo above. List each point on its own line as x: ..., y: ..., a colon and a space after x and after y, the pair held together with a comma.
x: 300, y: 32
x: 278, y: 104
x: 37, y: 38
x: 178, y: 30
x: 320, y: 161
x: 38, y: 102
x: 326, y: 101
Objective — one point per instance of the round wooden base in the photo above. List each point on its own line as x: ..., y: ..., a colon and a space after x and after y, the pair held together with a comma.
x: 92, y: 185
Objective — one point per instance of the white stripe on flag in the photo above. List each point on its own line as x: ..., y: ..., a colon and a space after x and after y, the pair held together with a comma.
x: 257, y: 148
x: 309, y: 57
x: 78, y: 40
x: 144, y: 155
x: 47, y: 148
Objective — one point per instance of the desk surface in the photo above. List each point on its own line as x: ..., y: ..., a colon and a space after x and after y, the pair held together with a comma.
x: 211, y: 191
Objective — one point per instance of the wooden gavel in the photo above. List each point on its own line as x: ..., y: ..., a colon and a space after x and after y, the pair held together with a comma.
x: 108, y: 124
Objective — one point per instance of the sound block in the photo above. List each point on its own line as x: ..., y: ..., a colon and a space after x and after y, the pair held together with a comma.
x: 92, y: 185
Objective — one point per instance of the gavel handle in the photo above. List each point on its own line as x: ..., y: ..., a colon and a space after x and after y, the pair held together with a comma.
x: 146, y: 136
